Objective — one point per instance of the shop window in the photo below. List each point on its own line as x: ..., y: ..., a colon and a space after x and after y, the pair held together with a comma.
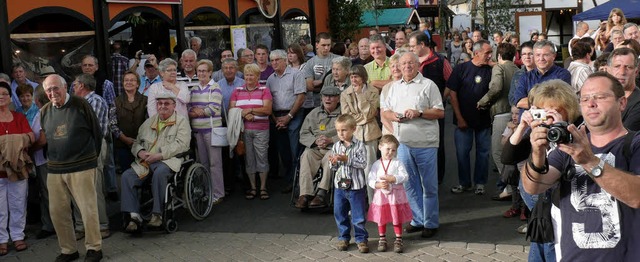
x: 295, y: 30
x: 213, y: 29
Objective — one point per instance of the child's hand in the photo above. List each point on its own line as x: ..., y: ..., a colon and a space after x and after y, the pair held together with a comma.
x: 511, y: 125
x: 389, y: 179
x: 382, y: 185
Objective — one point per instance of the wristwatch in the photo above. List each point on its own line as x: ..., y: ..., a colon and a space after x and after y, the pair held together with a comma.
x: 420, y: 111
x: 597, y: 171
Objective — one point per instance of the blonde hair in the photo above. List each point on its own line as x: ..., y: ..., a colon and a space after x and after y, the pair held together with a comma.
x: 558, y: 93
x: 347, y: 120
x: 252, y: 68
x: 206, y: 62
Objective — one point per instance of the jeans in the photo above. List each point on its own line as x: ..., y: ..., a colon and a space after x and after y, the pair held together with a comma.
x: 356, y: 201
x: 287, y: 145
x: 422, y: 185
x: 464, y: 142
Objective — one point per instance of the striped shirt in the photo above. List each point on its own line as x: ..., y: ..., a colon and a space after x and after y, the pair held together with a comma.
x: 101, y: 108
x: 191, y: 82
x: 209, y: 98
x: 354, y: 167
x: 252, y: 99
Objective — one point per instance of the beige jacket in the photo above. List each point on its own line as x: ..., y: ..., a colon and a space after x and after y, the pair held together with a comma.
x: 172, y: 140
x: 364, y: 107
x: 13, y: 156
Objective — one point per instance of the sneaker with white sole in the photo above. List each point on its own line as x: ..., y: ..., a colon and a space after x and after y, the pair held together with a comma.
x: 522, y: 229
x: 460, y: 189
x: 156, y: 220
x: 479, y: 190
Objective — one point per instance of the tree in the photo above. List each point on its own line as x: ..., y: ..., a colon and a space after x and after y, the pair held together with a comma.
x: 499, y: 14
x: 344, y: 20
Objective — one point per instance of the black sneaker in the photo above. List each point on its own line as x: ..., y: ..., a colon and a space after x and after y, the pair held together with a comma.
x: 93, y: 255
x: 429, y: 232
x: 67, y: 257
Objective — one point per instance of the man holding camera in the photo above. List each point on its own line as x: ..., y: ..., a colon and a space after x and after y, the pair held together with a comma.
x: 596, y: 208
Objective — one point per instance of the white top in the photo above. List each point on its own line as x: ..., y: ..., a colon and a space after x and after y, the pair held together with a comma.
x: 395, y: 168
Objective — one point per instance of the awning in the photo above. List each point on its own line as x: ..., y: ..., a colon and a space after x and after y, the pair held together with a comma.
x: 631, y: 9
x: 396, y: 16
x: 457, y: 2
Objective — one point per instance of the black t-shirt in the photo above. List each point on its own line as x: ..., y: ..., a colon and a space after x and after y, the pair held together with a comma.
x: 471, y: 83
x: 595, y: 226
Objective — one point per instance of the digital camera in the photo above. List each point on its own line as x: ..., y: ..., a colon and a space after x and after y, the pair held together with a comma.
x: 538, y: 114
x: 558, y: 133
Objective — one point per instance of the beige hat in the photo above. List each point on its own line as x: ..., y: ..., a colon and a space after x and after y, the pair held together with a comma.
x: 166, y: 95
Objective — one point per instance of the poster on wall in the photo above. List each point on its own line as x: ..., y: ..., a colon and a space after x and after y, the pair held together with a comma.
x: 238, y: 38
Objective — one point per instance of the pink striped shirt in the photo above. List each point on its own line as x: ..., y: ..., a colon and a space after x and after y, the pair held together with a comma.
x: 252, y: 99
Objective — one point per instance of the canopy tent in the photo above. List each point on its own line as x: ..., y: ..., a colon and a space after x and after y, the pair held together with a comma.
x: 389, y: 17
x: 631, y: 9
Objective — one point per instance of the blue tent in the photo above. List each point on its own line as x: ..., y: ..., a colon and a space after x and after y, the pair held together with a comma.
x: 631, y: 9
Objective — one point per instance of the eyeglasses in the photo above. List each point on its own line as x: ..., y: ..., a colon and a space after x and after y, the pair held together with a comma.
x: 598, y: 97
x: 164, y: 103
x: 171, y: 70
x: 52, y: 89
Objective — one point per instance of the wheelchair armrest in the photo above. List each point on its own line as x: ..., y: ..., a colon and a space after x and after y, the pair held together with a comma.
x: 183, y: 154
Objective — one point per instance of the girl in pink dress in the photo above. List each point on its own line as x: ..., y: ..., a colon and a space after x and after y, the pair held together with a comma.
x: 389, y: 204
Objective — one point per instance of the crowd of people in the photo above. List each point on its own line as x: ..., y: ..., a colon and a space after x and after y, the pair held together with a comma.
x: 335, y: 109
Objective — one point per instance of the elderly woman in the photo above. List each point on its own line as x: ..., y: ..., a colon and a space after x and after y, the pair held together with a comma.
x: 339, y: 76
x: 169, y: 72
x: 130, y: 113
x: 205, y: 114
x: 396, y: 74
x: 15, y: 137
x: 363, y: 102
x: 255, y: 102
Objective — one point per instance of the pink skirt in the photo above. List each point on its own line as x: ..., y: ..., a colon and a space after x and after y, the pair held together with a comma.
x: 390, y: 208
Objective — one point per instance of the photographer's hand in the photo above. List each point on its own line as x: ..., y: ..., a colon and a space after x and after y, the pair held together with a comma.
x: 539, y: 142
x: 580, y: 148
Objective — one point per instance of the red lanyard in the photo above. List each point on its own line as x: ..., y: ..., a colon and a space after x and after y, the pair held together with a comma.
x: 385, y: 168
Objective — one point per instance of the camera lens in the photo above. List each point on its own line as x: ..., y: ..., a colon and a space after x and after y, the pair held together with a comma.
x: 554, y: 135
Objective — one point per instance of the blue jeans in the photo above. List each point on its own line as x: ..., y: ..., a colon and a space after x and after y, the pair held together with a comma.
x: 538, y: 252
x: 356, y: 201
x: 287, y: 141
x: 464, y: 142
x: 422, y: 185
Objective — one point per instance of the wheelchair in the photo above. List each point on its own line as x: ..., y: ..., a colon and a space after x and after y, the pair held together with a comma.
x: 295, y: 192
x: 189, y: 188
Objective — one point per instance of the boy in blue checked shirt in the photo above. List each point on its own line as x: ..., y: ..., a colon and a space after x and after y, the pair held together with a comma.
x: 348, y: 160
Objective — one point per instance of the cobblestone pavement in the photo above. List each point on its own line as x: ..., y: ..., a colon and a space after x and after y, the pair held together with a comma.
x: 187, y: 246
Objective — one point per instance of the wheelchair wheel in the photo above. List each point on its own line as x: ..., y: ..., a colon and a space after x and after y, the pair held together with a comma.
x: 171, y: 226
x: 197, y: 191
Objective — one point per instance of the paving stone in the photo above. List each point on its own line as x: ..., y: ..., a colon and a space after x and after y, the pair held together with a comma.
x: 453, y: 244
x: 509, y: 248
x: 502, y: 257
x: 481, y: 246
x: 484, y: 252
x: 313, y: 254
x: 428, y: 258
x: 457, y: 251
x: 454, y: 258
x: 318, y: 238
x: 478, y: 257
x: 434, y: 251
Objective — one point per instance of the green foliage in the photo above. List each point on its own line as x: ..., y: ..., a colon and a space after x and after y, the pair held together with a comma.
x: 344, y: 18
x: 500, y: 14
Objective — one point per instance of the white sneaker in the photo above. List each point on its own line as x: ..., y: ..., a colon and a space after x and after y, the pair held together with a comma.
x: 459, y: 189
x: 522, y: 229
x: 156, y: 220
x: 479, y: 189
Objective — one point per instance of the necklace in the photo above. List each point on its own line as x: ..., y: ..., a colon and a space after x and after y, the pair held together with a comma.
x: 5, y: 126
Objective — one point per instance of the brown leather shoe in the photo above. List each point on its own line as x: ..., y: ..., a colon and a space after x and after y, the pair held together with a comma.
x: 302, y: 202
x: 318, y: 201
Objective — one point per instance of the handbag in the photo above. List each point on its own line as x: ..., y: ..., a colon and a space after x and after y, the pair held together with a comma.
x: 218, y: 134
x: 240, y: 148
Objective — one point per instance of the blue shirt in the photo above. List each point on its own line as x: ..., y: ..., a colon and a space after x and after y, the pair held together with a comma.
x: 227, y: 88
x: 529, y: 79
x: 14, y: 85
x: 30, y: 113
x: 143, y: 83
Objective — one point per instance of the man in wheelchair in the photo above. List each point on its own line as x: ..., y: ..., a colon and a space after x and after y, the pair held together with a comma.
x: 160, y: 139
x: 317, y: 134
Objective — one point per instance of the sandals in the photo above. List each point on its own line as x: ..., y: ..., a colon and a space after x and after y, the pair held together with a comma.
x: 20, y: 245
x: 250, y: 194
x: 264, y: 195
x: 4, y: 249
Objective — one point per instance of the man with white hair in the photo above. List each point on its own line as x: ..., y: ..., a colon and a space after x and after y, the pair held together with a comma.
x: 364, y: 56
x: 631, y: 31
x: 413, y: 105
x: 582, y: 30
x: 187, y: 73
x: 288, y: 88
